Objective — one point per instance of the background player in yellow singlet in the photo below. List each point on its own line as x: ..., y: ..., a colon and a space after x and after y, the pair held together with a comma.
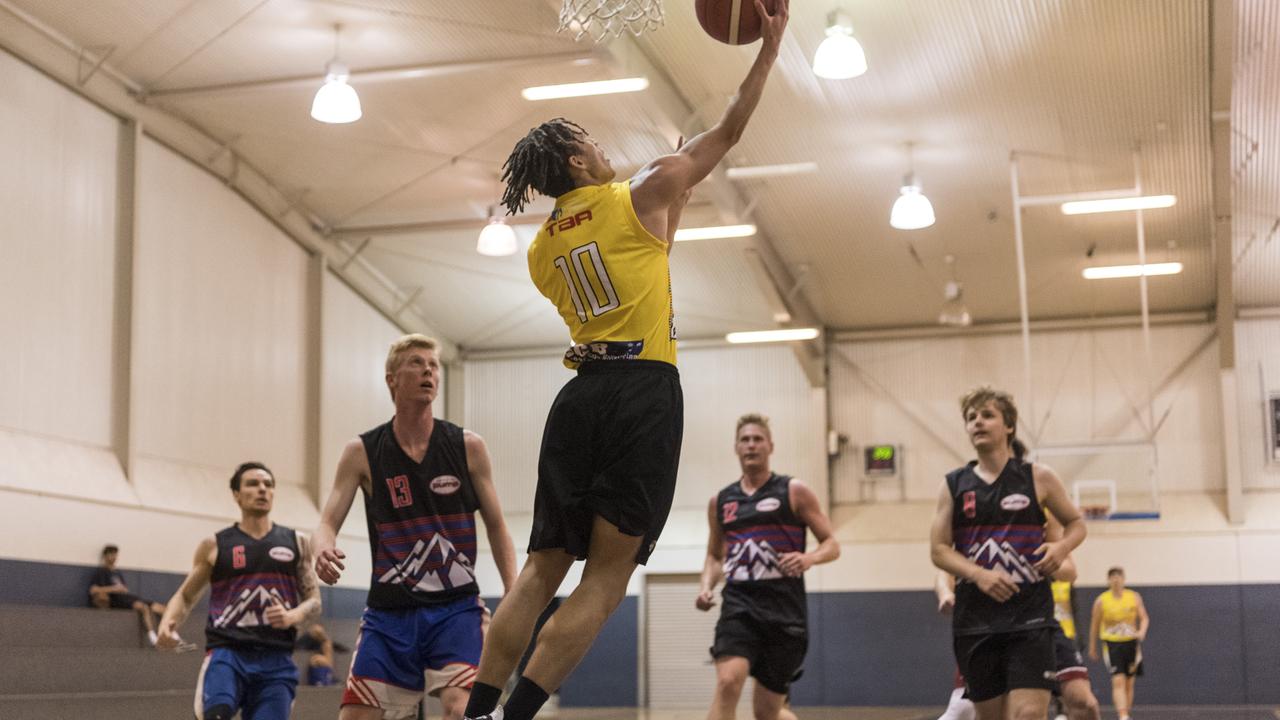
x: 611, y: 444
x: 1120, y: 620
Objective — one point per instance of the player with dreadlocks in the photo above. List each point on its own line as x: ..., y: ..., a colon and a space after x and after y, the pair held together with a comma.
x: 611, y: 445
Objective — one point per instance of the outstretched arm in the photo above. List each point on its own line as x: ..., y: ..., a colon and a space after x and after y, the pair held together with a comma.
x: 1054, y: 495
x: 188, y: 594
x: 353, y: 471
x: 495, y: 525
x: 713, y: 566
x: 804, y: 503
x: 662, y: 181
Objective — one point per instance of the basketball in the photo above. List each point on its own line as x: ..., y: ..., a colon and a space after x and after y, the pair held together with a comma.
x: 734, y: 22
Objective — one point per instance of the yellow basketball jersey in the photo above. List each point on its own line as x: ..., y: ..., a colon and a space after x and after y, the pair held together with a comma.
x: 1119, y: 617
x: 1062, y: 608
x: 607, y: 276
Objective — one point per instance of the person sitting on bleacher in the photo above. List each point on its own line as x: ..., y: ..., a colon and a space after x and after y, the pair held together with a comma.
x: 320, y: 664
x: 107, y: 590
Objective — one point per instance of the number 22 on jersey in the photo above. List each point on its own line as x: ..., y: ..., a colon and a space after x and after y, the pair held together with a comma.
x: 580, y: 285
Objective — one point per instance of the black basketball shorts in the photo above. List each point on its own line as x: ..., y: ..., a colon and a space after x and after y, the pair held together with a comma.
x: 1123, y: 658
x: 994, y: 664
x: 775, y: 652
x: 611, y: 447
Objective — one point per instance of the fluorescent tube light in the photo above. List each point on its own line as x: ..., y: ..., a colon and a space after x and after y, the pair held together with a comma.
x: 1146, y: 202
x: 1129, y: 271
x: 598, y: 87
x: 763, y: 171
x: 715, y: 232
x: 763, y: 336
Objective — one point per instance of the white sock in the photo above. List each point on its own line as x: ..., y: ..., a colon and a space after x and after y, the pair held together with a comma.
x: 151, y: 637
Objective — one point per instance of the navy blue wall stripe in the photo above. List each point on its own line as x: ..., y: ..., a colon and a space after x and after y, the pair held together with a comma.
x: 1209, y: 644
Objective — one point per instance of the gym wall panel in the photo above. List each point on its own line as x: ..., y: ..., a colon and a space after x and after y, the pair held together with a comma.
x: 507, y: 401
x: 720, y: 384
x: 353, y: 391
x: 221, y: 319
x: 1257, y: 378
x: 1090, y: 386
x: 57, y: 261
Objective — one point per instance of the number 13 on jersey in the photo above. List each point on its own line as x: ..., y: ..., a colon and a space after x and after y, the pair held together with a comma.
x: 580, y: 285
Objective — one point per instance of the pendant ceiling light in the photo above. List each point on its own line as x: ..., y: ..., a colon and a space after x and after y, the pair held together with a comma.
x: 497, y: 238
x: 840, y: 56
x: 336, y: 102
x: 912, y: 210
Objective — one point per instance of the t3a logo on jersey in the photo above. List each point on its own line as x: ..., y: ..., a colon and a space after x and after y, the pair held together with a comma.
x: 559, y: 222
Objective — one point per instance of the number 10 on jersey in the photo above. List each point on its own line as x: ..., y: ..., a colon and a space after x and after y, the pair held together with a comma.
x: 580, y: 284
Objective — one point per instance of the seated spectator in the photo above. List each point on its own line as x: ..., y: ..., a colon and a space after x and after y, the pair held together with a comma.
x: 107, y: 590
x: 320, y: 665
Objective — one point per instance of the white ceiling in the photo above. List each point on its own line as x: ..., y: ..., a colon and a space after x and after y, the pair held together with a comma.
x: 1071, y: 87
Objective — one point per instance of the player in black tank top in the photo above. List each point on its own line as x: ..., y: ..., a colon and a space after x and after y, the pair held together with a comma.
x: 989, y: 533
x: 423, y: 480
x: 263, y: 588
x: 757, y: 544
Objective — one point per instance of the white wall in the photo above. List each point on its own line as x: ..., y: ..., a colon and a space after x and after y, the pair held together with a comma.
x: 58, y: 255
x: 221, y: 314
x: 1087, y: 385
x: 506, y: 401
x: 221, y: 371
x: 1257, y: 377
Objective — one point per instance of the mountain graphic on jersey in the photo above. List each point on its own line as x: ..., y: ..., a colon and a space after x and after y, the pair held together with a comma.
x: 432, y: 567
x: 751, y: 560
x: 247, y: 609
x: 1002, y: 556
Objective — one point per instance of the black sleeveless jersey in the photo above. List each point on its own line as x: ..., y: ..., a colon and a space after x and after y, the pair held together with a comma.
x: 999, y: 526
x: 422, y: 524
x: 758, y: 529
x: 248, y: 576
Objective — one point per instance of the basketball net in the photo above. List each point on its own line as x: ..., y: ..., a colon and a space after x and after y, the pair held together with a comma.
x: 604, y: 18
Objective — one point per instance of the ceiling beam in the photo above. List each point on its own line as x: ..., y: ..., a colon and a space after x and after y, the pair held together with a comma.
x: 59, y: 57
x: 373, y: 75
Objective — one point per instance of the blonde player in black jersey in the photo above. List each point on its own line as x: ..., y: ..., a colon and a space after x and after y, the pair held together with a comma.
x: 611, y: 445
x: 989, y: 532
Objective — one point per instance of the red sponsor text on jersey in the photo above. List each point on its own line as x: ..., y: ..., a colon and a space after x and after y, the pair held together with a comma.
x: 555, y: 225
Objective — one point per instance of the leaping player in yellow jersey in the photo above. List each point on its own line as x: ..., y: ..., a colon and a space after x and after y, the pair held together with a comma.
x: 611, y: 445
x: 1120, y: 619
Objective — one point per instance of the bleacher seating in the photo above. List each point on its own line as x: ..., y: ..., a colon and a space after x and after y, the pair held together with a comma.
x: 74, y: 663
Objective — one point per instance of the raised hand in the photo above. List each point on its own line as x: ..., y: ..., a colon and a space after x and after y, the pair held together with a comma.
x: 772, y: 26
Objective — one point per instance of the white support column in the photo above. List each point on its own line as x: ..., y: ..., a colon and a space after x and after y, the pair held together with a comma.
x: 124, y: 400
x: 1028, y: 399
x: 317, y: 269
x: 1220, y: 92
x: 1142, y: 292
